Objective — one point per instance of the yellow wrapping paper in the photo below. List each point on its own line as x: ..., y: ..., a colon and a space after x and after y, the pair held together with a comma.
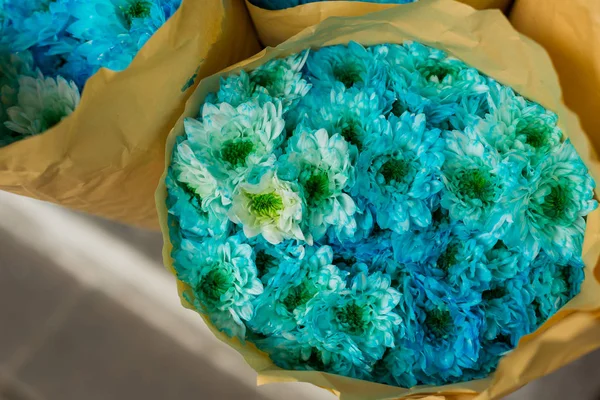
x: 485, y: 40
x: 570, y: 32
x: 107, y: 157
x: 275, y: 27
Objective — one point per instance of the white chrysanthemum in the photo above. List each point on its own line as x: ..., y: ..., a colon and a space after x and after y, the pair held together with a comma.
x: 41, y: 104
x: 272, y: 208
x: 231, y: 141
x: 321, y: 163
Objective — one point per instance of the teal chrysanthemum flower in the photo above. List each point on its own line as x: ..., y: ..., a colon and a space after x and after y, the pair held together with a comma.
x: 476, y: 182
x: 400, y: 173
x: 272, y: 208
x: 194, y: 199
x: 322, y: 166
x: 223, y: 280
x: 553, y: 282
x: 232, y: 141
x: 359, y: 321
x: 549, y: 204
x: 282, y: 79
x: 514, y: 125
x: 355, y: 114
x: 41, y: 104
x: 289, y: 294
x: 12, y: 66
x: 352, y: 66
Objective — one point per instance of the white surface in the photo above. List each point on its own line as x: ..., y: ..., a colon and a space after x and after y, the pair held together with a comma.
x: 101, y: 261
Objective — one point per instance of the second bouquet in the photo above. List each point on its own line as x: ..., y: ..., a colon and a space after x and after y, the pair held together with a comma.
x: 369, y: 206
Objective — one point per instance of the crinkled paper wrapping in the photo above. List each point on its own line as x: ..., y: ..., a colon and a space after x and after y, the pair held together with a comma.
x: 107, y: 157
x: 570, y: 32
x: 485, y: 40
x: 276, y: 26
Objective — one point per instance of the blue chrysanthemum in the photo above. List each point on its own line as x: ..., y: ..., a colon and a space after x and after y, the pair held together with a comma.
x: 359, y: 321
x: 353, y: 66
x: 231, y: 141
x: 516, y: 126
x: 554, y: 282
x: 476, y: 182
x: 223, y: 279
x: 549, y: 202
x: 290, y: 291
x: 400, y: 173
x: 322, y: 166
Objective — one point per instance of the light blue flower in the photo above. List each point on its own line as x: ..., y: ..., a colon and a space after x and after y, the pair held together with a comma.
x: 400, y: 173
x: 553, y: 282
x: 231, y: 141
x: 351, y: 65
x: 289, y: 293
x: 514, y: 124
x: 321, y: 163
x: 358, y: 320
x: 476, y: 182
x: 223, y: 279
x: 282, y: 79
x: 354, y: 113
x: 269, y: 257
x: 194, y: 197
x: 450, y: 343
x: 430, y: 76
x: 36, y: 22
x: 508, y: 310
x: 549, y: 203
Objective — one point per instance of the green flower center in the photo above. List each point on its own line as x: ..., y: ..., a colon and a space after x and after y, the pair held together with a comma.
x: 439, y: 322
x: 299, y: 296
x: 353, y: 317
x: 477, y: 184
x: 556, y: 202
x: 398, y: 108
x: 394, y: 170
x: 496, y: 293
x: 348, y: 74
x: 536, y: 132
x: 51, y: 118
x: 236, y: 152
x: 215, y: 284
x: 266, y: 204
x: 264, y: 261
x: 438, y: 70
x: 351, y: 133
x: 136, y: 9
x: 448, y: 258
x: 317, y: 187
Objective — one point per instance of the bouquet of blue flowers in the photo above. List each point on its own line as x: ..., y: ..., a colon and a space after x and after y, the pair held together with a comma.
x: 49, y: 49
x: 101, y: 152
x: 278, y: 20
x: 383, y: 212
